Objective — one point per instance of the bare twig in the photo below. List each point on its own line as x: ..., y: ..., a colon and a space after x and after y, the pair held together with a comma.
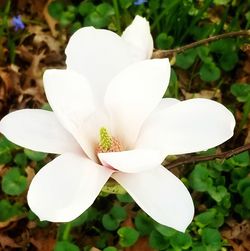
x: 170, y: 53
x: 194, y: 159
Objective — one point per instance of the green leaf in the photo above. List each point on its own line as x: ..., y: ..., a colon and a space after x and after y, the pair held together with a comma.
x: 7, y: 210
x: 163, y: 41
x: 165, y: 231
x: 181, y: 241
x: 21, y: 159
x: 158, y: 241
x: 67, y: 18
x: 93, y: 214
x: 243, y: 185
x: 13, y: 182
x: 242, y: 211
x: 32, y: 216
x: 236, y: 174
x: 209, y: 72
x: 211, y: 238
x: 186, y: 59
x: 5, y: 143
x: 46, y: 107
x: 5, y: 156
x: 153, y: 5
x: 203, y: 31
x: 143, y: 224
x: 56, y: 9
x: 241, y: 159
x: 72, y: 8
x: 226, y: 203
x: 173, y: 88
x: 125, y: 198
x: 96, y: 20
x: 205, y: 218
x: 247, y: 15
x: 217, y: 166
x: 109, y: 222
x: 118, y: 212
x: 204, y: 54
x: 75, y: 26
x: 199, y: 178
x: 105, y: 10
x: 36, y: 156
x: 246, y: 198
x: 222, y: 2
x: 128, y: 236
x: 223, y: 46
x: 199, y: 248
x: 101, y: 242
x: 66, y: 246
x: 125, y: 4
x: 6, y: 148
x: 228, y: 61
x: 101, y: 17
x: 80, y: 219
x: 110, y: 249
x: 218, y: 193
x: 86, y: 8
x: 210, y: 218
x: 241, y: 91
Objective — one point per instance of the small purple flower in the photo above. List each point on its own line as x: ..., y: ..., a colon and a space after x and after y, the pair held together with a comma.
x: 17, y: 23
x: 139, y: 2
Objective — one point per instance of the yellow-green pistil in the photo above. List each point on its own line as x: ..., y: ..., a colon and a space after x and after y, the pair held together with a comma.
x: 107, y: 143
x: 105, y: 139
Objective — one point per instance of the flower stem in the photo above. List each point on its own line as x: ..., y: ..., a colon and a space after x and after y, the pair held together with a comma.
x: 171, y: 52
x: 117, y: 17
x: 194, y: 159
x: 66, y: 231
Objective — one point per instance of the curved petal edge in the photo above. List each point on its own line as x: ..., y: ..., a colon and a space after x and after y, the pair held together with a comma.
x: 64, y: 188
x: 161, y: 195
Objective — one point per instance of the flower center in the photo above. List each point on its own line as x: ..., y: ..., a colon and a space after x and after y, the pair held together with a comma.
x: 107, y: 143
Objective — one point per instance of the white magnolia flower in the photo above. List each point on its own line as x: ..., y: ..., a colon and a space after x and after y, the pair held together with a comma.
x: 111, y: 88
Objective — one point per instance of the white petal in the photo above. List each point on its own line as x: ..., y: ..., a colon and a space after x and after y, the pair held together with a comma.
x: 161, y: 195
x: 163, y: 105
x: 166, y: 103
x: 133, y: 94
x: 138, y: 35
x: 132, y: 161
x: 66, y: 187
x: 38, y: 130
x: 189, y: 126
x: 99, y: 55
x: 88, y: 133
x: 71, y: 99
x: 69, y: 96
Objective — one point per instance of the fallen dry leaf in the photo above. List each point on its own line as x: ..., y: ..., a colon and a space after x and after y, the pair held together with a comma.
x: 4, y: 224
x: 50, y: 21
x: 30, y: 174
x: 6, y: 241
x: 94, y: 249
x: 209, y: 94
x: 43, y: 239
x: 238, y: 234
x: 141, y: 244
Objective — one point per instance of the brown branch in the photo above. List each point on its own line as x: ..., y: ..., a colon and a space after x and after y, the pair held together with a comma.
x: 195, y: 159
x: 170, y: 53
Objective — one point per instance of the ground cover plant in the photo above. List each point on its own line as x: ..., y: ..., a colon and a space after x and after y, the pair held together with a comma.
x: 207, y: 43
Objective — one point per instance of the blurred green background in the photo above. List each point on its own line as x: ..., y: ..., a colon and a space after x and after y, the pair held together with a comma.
x: 218, y: 70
